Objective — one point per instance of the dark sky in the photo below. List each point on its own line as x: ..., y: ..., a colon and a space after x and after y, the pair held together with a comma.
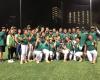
x: 39, y: 11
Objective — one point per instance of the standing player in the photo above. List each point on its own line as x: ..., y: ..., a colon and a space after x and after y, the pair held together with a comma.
x: 11, y: 45
x: 54, y: 32
x: 2, y: 43
x: 65, y: 33
x: 83, y: 37
x: 61, y: 33
x: 93, y: 33
x: 24, y: 46
x: 18, y: 43
x: 73, y: 34
x: 32, y: 39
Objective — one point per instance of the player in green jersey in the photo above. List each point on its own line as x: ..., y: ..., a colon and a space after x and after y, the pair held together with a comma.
x: 91, y: 49
x: 32, y: 39
x: 24, y: 46
x: 38, y: 50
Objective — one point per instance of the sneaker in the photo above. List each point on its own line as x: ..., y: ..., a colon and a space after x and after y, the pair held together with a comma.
x: 12, y: 60
x: 80, y: 60
x: 9, y: 61
x: 30, y: 60
x: 26, y: 62
x: 65, y: 61
x: 47, y: 61
x: 93, y: 62
x: 21, y: 62
x: 37, y: 62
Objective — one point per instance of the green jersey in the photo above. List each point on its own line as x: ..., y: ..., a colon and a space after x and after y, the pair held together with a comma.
x: 90, y: 45
x: 25, y: 39
x: 18, y: 36
x: 68, y: 35
x: 83, y: 39
x: 47, y: 34
x: 54, y: 34
x: 50, y: 35
x: 39, y: 46
x: 45, y: 46
x: 65, y: 35
x: 69, y: 45
x: 73, y: 36
x: 2, y: 38
x: 51, y: 46
x: 61, y: 36
x: 57, y: 43
x: 10, y: 41
x: 29, y: 34
x: 33, y: 39
x: 77, y: 47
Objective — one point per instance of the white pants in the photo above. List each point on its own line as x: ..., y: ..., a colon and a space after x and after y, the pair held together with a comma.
x: 78, y: 54
x: 24, y: 50
x: 51, y: 54
x: 46, y: 53
x: 65, y: 52
x: 71, y: 55
x: 30, y: 47
x: 57, y: 55
x: 30, y: 51
x: 92, y: 55
x: 38, y: 55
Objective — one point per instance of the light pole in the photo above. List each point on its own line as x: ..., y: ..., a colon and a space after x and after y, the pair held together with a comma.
x: 20, y: 13
x: 91, y: 13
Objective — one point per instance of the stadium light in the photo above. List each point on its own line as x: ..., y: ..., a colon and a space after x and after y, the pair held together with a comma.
x: 20, y: 13
x: 90, y: 13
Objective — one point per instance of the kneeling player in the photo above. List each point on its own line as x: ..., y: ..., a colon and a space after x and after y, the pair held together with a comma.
x: 65, y: 51
x: 57, y: 47
x: 70, y: 47
x: 51, y: 49
x: 78, y: 50
x: 91, y: 50
x: 46, y: 50
x: 38, y: 51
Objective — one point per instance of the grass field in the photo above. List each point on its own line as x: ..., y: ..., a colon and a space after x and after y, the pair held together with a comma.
x: 53, y: 71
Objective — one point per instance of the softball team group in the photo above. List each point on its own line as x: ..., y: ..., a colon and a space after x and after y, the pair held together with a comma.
x: 44, y: 44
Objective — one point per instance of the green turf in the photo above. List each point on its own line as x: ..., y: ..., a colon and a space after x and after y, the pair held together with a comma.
x: 53, y: 71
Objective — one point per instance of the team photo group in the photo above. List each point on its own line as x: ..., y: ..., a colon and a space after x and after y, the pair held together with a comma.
x: 44, y: 44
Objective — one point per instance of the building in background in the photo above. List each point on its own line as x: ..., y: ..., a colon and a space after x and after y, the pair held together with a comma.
x: 70, y: 13
x: 57, y: 13
x: 76, y: 14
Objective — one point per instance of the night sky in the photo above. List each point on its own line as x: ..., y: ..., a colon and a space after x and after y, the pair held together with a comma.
x: 39, y: 11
